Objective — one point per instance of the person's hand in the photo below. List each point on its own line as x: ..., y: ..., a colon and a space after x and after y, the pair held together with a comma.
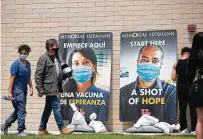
x: 174, y: 65
x: 40, y: 94
x: 31, y: 92
x: 10, y: 96
x: 82, y: 111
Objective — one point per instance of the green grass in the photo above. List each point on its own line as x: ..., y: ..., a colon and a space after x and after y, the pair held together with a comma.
x: 97, y: 136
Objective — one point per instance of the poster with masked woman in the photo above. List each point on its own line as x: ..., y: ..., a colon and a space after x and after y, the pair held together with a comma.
x: 147, y: 59
x: 86, y: 64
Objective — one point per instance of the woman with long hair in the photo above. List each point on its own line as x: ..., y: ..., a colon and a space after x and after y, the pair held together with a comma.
x: 195, y: 77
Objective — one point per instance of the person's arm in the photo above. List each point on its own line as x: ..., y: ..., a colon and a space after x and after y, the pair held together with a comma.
x: 30, y: 80
x: 39, y: 73
x: 10, y: 88
x: 31, y: 87
x: 174, y: 74
x: 14, y: 71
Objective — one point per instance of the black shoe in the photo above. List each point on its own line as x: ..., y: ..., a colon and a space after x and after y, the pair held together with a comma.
x: 4, y: 129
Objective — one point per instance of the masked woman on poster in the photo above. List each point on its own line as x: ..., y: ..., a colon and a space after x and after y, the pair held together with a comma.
x: 195, y: 76
x: 87, y: 97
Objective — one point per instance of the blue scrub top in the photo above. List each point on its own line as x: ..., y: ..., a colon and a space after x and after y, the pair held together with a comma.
x: 22, y: 76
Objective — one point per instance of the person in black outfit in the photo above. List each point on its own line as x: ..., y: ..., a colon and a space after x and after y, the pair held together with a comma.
x: 179, y: 74
x: 195, y: 76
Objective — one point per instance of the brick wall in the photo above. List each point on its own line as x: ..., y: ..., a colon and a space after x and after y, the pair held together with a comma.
x: 34, y: 21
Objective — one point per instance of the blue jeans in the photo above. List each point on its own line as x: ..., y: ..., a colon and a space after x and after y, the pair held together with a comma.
x: 52, y: 102
x: 19, y: 113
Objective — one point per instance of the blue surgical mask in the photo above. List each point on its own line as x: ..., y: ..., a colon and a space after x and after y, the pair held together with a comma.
x: 148, y: 71
x: 82, y: 74
x: 23, y: 57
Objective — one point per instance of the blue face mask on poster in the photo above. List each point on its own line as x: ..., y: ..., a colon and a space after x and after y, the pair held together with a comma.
x: 23, y: 57
x: 148, y: 71
x: 82, y: 74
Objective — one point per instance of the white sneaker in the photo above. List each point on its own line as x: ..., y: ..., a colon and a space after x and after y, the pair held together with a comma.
x: 184, y: 131
x: 22, y: 134
x: 175, y: 127
x: 193, y: 132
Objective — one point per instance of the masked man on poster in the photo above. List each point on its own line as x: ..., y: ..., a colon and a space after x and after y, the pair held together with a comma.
x: 48, y: 76
x: 148, y: 94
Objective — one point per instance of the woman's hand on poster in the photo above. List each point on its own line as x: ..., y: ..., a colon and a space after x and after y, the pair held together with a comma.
x: 81, y: 111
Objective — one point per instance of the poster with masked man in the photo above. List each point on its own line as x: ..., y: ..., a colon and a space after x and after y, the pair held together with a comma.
x: 146, y: 63
x: 86, y: 65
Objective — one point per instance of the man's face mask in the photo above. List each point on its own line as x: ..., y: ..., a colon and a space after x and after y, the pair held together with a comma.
x: 148, y: 71
x: 82, y: 74
x: 56, y: 50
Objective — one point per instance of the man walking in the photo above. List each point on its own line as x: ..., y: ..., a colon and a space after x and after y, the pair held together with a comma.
x: 48, y: 77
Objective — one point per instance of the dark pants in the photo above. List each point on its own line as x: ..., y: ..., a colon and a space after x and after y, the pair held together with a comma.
x: 183, y: 97
x: 19, y: 113
x: 52, y: 103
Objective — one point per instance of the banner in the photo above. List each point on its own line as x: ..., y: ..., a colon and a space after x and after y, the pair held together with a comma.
x: 87, y: 85
x: 147, y: 58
